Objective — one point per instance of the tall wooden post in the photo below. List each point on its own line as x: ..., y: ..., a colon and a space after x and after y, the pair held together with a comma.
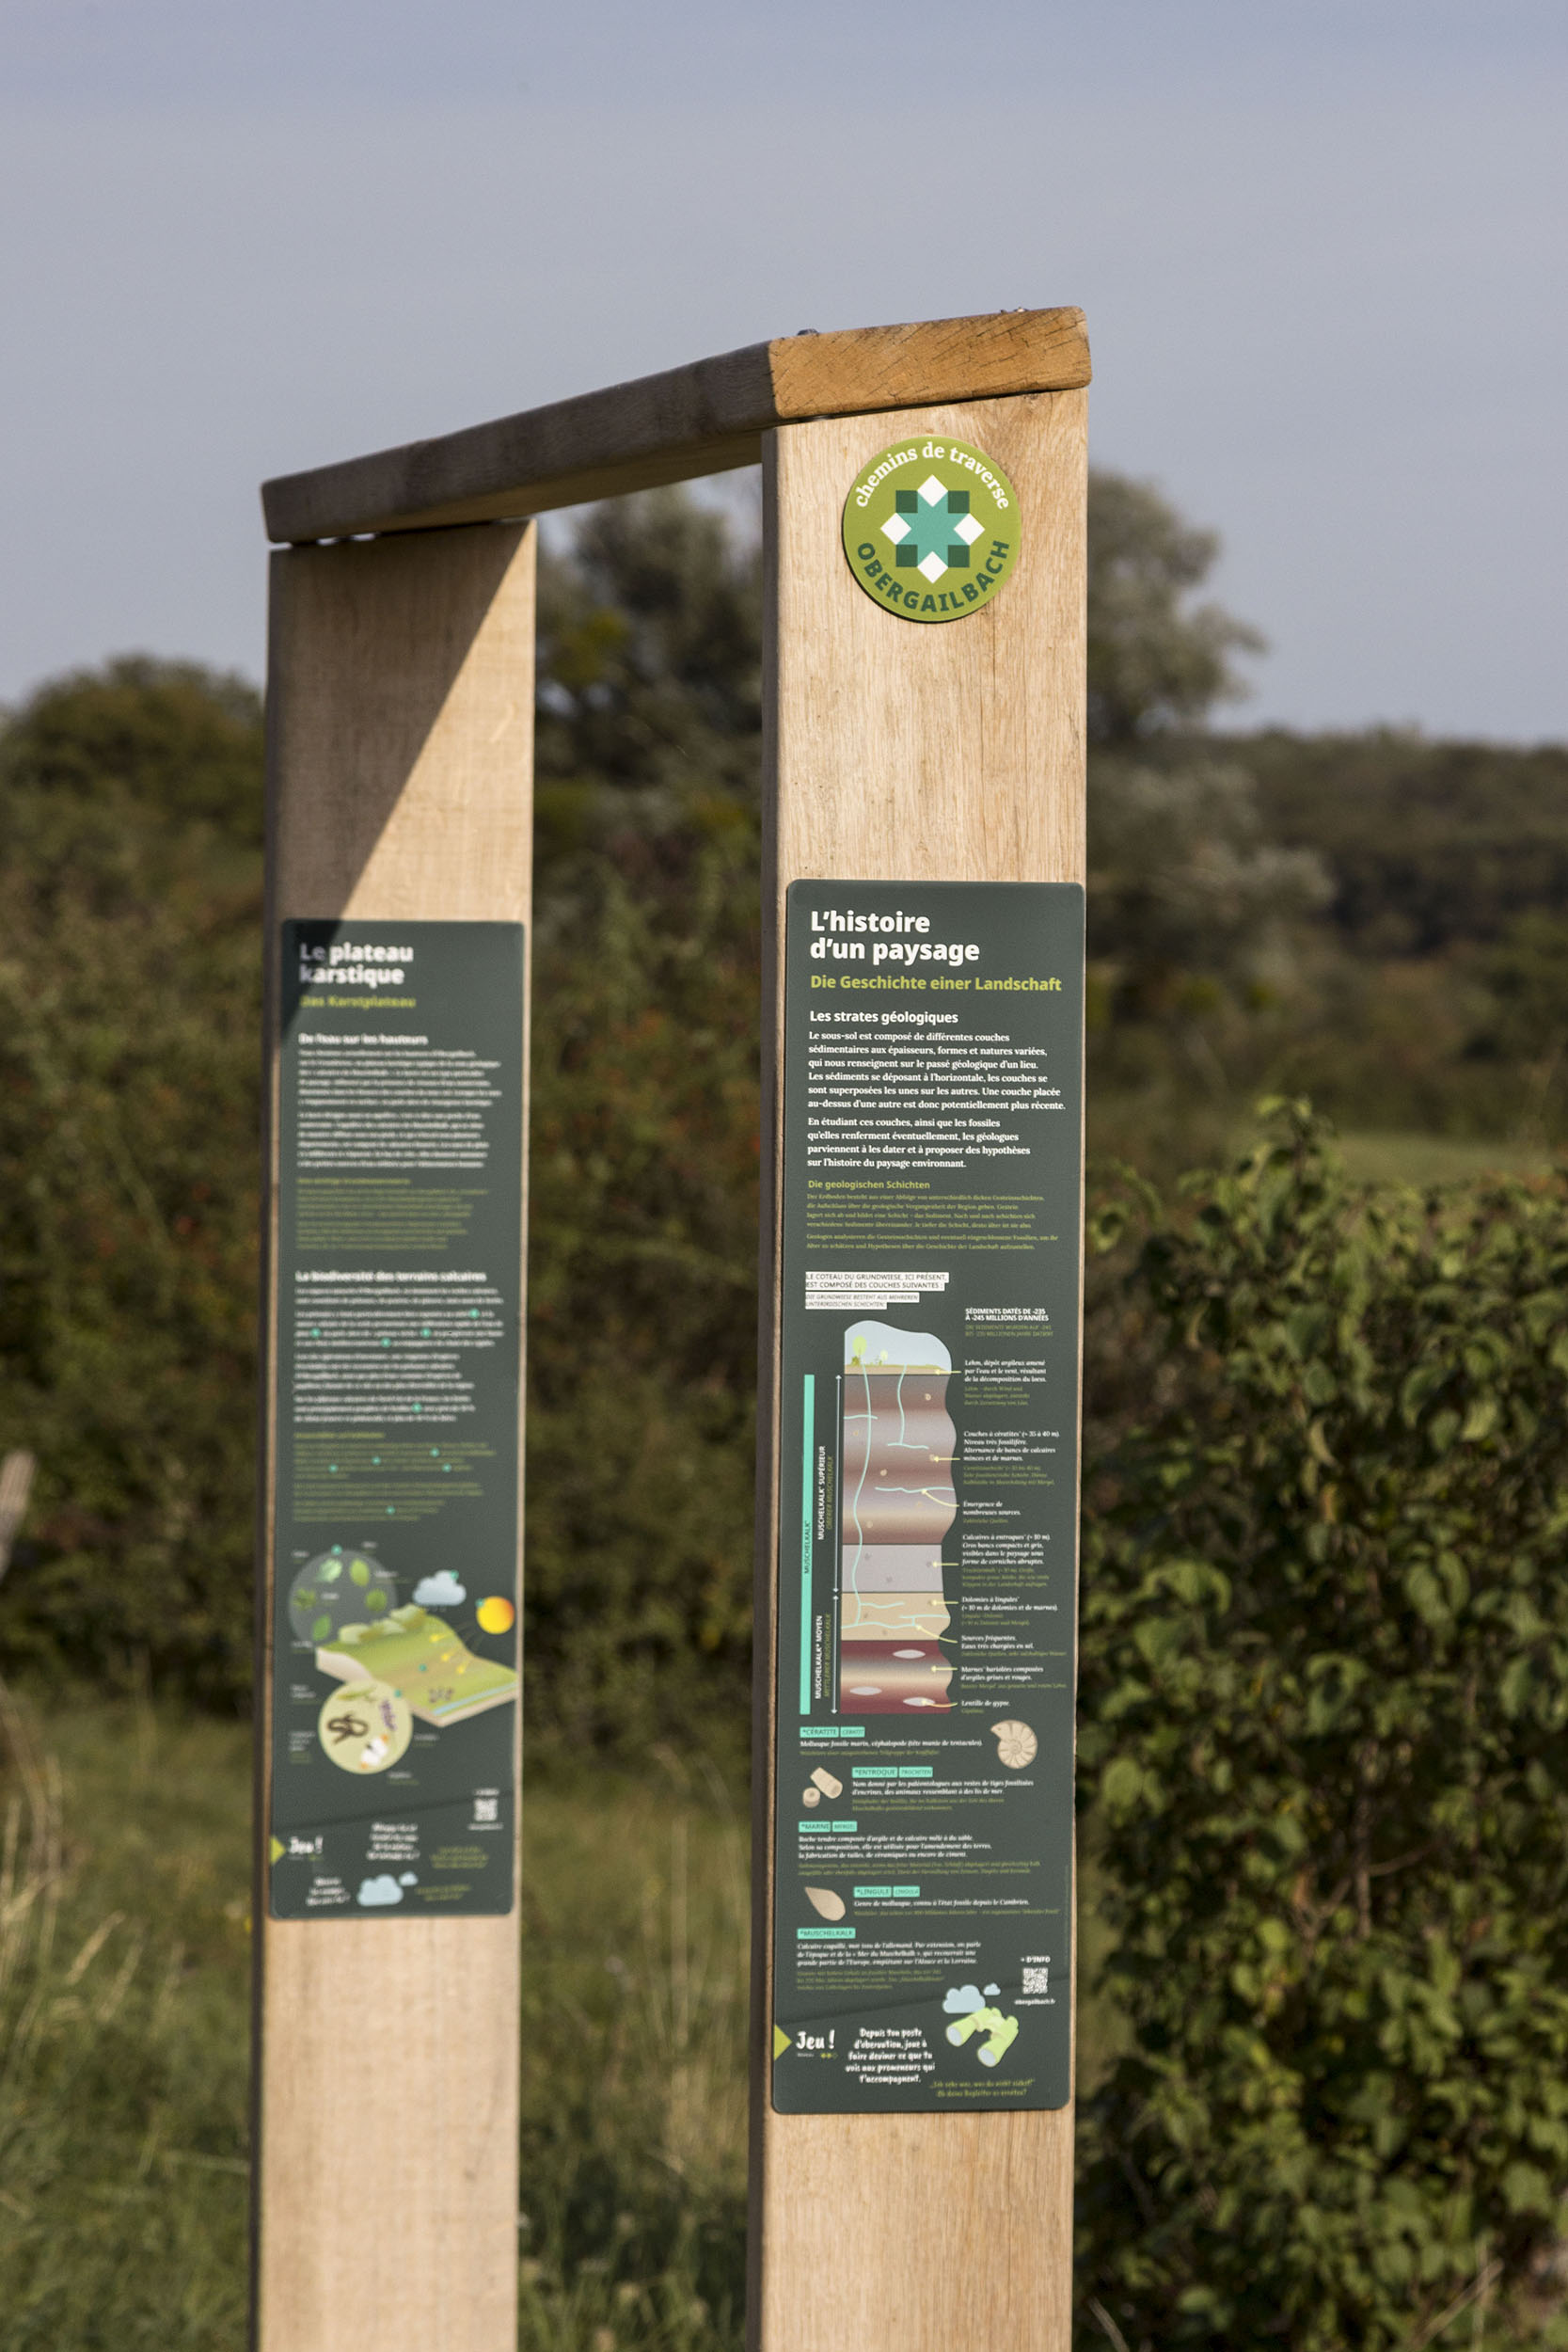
x: 897, y: 753
x: 400, y: 718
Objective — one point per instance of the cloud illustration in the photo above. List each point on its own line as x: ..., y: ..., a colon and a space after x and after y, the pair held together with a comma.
x: 992, y: 1987
x: 962, y: 1998
x: 381, y: 1890
x: 440, y: 1591
x: 408, y: 1879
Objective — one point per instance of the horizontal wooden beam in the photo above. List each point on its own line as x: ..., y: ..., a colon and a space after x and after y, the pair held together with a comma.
x: 698, y: 419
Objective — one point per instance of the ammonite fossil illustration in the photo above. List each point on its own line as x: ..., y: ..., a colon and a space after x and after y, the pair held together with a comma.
x: 1016, y: 1744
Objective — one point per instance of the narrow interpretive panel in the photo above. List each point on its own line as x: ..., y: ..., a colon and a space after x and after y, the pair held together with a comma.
x: 928, y: 1514
x: 395, y: 1646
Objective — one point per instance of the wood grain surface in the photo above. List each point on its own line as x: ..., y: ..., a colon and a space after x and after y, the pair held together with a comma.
x: 898, y: 752
x: 698, y: 419
x: 399, y: 748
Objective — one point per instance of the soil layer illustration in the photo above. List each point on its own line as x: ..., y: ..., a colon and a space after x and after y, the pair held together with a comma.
x: 899, y: 1505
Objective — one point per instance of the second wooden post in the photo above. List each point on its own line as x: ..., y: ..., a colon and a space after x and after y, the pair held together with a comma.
x: 913, y: 2128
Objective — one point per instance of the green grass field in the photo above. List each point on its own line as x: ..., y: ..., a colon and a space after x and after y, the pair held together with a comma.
x: 1373, y: 1158
x: 124, y: 1971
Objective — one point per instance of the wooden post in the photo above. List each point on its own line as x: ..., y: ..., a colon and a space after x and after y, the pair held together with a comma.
x: 400, y: 719
x: 16, y: 1487
x: 902, y: 753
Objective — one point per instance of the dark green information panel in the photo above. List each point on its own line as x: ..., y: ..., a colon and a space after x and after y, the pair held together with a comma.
x: 400, y: 1284
x: 929, y: 1521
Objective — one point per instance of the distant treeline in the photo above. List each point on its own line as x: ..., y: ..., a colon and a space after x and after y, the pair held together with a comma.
x: 1428, y: 844
x: 1371, y: 919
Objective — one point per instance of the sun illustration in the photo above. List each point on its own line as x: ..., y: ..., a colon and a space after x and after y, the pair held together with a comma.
x: 496, y: 1614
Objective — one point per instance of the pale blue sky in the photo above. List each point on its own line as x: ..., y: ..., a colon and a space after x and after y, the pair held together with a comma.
x: 1319, y: 248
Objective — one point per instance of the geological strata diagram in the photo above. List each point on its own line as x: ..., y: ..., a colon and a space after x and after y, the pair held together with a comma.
x: 899, y: 1506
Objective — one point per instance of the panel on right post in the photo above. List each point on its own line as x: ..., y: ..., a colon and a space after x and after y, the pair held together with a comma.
x: 929, y: 1315
x: 922, y: 1278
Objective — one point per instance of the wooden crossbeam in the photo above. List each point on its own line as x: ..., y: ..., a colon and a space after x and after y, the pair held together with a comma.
x: 704, y: 418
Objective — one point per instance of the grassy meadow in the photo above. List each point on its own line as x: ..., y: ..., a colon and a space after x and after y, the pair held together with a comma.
x: 124, y: 2024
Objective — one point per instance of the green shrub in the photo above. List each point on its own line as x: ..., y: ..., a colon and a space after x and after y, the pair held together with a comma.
x: 130, y: 1017
x: 642, y: 1320
x: 1326, y: 1694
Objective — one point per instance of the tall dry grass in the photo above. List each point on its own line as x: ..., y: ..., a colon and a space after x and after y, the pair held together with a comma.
x: 122, y: 2168
x: 123, y: 2043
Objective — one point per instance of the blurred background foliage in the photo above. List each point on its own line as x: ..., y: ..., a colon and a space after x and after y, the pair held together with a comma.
x: 1369, y: 919
x: 1322, y: 1717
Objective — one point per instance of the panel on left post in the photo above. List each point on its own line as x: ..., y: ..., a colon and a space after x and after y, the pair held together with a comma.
x: 400, y: 723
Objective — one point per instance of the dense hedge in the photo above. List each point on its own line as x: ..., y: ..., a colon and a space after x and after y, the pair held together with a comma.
x: 1324, y: 1708
x: 129, y: 1014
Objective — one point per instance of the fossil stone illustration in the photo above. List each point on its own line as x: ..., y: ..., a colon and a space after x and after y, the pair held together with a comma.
x: 824, y: 1900
x: 1016, y: 1744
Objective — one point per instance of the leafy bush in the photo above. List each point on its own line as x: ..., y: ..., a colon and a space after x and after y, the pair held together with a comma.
x: 129, y: 1012
x: 643, y: 1319
x: 1325, y: 1692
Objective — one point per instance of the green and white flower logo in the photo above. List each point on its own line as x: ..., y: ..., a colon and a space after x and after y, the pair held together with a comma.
x: 931, y: 529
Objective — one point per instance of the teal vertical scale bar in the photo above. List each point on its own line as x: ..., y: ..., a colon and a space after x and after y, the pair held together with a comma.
x: 808, y: 1442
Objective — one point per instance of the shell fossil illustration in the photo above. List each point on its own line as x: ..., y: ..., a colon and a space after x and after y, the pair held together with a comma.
x: 823, y: 1900
x: 1016, y: 1744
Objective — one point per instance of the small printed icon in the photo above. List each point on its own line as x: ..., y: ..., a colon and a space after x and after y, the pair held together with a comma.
x: 1016, y: 1745
x: 365, y: 1726
x: 971, y: 2012
x: 440, y: 1591
x: 335, y: 1588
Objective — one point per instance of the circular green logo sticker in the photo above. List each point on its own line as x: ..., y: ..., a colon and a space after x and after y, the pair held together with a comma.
x: 931, y: 529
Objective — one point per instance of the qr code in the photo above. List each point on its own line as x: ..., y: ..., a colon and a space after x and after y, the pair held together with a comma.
x: 1038, y: 1980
